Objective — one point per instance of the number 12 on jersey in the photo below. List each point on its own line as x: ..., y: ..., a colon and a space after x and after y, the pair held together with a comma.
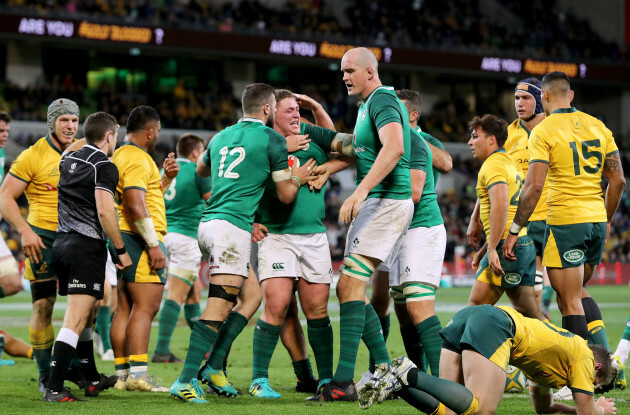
x: 229, y: 174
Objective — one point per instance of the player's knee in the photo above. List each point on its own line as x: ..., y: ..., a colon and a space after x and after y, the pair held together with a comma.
x: 358, y: 266
x: 276, y: 308
x: 380, y: 302
x: 315, y: 311
x: 228, y: 293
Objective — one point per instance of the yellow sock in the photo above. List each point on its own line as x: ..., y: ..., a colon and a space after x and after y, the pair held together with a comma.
x: 440, y: 410
x: 30, y: 353
x: 121, y: 361
x: 41, y: 339
x: 473, y: 408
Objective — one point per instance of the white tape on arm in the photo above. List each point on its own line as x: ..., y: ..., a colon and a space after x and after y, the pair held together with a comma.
x: 281, y: 175
x: 147, y: 230
x: 342, y: 143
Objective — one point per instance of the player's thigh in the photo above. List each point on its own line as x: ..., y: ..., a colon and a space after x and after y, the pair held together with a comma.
x: 184, y: 257
x: 227, y: 248
x: 484, y: 379
x: 313, y: 298
x: 277, y: 294
x: 380, y: 291
x: 570, y: 246
x: 314, y: 264
x: 44, y: 270
x: 140, y: 270
x: 277, y: 257
x: 451, y: 365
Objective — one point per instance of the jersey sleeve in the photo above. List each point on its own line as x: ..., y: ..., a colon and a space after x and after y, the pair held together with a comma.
x: 384, y: 109
x: 277, y: 151
x: 204, y: 184
x: 321, y: 136
x: 107, y: 177
x: 611, y: 146
x: 538, y: 147
x: 419, y: 153
x: 24, y: 166
x: 432, y: 140
x: 136, y: 175
x: 581, y: 376
x: 493, y: 173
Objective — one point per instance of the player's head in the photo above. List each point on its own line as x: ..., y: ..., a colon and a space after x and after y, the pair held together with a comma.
x: 5, y: 126
x: 145, y: 120
x: 360, y: 70
x: 412, y: 102
x: 528, y: 98
x: 101, y: 129
x: 287, y: 119
x: 189, y: 146
x: 63, y: 120
x: 556, y: 89
x: 605, y: 372
x: 488, y: 134
x: 259, y: 102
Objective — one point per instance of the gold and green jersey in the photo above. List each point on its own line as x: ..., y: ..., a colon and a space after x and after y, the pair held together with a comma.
x: 499, y: 168
x: 38, y: 166
x: 550, y: 355
x: 137, y: 170
x: 575, y: 145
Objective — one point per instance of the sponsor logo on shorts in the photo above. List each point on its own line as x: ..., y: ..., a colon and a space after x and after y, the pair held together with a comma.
x: 76, y: 284
x: 512, y: 278
x: 277, y: 266
x: 574, y: 255
x: 97, y: 287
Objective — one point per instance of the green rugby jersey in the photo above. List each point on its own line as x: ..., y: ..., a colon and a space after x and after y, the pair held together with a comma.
x: 426, y: 212
x: 241, y: 159
x: 378, y: 109
x: 434, y: 142
x: 3, y: 159
x: 184, y: 199
x: 306, y: 214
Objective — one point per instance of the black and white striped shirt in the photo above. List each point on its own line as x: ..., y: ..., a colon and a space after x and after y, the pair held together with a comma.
x: 81, y: 173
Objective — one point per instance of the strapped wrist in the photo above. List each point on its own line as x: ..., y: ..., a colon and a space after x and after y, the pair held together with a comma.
x: 147, y: 231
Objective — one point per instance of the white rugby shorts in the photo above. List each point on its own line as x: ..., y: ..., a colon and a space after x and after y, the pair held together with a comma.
x: 182, y: 252
x: 227, y: 247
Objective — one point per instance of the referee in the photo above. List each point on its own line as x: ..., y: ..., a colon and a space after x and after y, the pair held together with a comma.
x: 87, y: 217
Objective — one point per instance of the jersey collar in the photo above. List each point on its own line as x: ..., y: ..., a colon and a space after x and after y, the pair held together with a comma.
x: 523, y: 127
x: 388, y: 88
x: 182, y: 160
x: 250, y: 119
x: 498, y: 150
x: 565, y: 110
x: 94, y: 147
x: 50, y: 143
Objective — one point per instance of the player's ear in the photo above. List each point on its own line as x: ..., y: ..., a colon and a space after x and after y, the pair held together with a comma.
x: 597, y: 365
x: 571, y: 95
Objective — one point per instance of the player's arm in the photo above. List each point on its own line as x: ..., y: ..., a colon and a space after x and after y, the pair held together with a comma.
x: 613, y: 171
x: 12, y: 188
x: 442, y: 161
x: 106, y: 210
x: 498, y: 194
x: 543, y: 403
x: 321, y: 173
x: 203, y: 169
x: 289, y: 181
x: 531, y: 192
x: 418, y: 177
x: 473, y: 234
x: 322, y: 119
x: 585, y: 404
x: 135, y: 200
x: 171, y: 168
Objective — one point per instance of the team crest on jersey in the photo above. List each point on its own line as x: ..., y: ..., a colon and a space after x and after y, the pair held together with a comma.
x: 512, y: 278
x: 54, y: 172
x: 573, y: 256
x: 294, y: 162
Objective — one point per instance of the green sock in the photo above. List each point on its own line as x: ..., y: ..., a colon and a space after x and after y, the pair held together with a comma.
x: 201, y: 339
x: 413, y: 346
x: 303, y: 369
x: 352, y: 320
x: 320, y: 337
x: 373, y: 336
x: 420, y: 400
x: 168, y: 320
x: 42, y: 342
x: 385, y: 323
x: 265, y: 339
x: 429, y: 332
x: 103, y: 322
x: 452, y: 394
x: 230, y: 329
x: 192, y: 312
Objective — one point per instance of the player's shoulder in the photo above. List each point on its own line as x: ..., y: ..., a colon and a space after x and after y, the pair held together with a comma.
x: 384, y: 95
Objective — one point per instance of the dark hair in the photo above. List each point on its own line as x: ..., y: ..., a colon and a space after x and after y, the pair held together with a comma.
x: 414, y: 102
x: 97, y: 125
x: 255, y: 96
x: 607, y: 374
x: 283, y: 94
x: 140, y: 116
x: 187, y: 143
x: 4, y: 116
x: 556, y: 80
x: 491, y: 125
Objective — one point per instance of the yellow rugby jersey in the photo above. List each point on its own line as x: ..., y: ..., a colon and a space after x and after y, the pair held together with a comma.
x: 517, y: 147
x: 138, y: 171
x: 38, y: 166
x: 574, y: 144
x: 550, y: 355
x: 499, y: 168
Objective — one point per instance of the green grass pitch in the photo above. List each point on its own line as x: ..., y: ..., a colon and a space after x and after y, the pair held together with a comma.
x: 19, y: 395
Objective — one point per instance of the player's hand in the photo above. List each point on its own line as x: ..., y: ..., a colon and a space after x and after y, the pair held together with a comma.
x: 124, y: 261
x: 508, y: 247
x: 297, y: 142
x: 495, y: 264
x: 473, y: 234
x: 157, y: 260
x: 32, y: 246
x: 304, y: 172
x: 607, y: 405
x: 319, y: 177
x: 350, y: 207
x: 171, y: 167
x: 259, y: 232
x: 477, y: 259
x: 307, y: 103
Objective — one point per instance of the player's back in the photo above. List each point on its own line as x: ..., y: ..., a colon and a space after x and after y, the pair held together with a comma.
x: 574, y: 144
x: 241, y: 158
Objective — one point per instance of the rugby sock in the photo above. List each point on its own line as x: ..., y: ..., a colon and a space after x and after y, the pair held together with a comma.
x: 29, y: 354
x: 42, y: 342
x: 138, y: 366
x: 168, y: 321
x: 85, y: 351
x: 576, y: 324
x: 201, y: 339
x: 65, y: 346
x: 623, y: 348
x: 547, y: 296
x: 121, y: 364
x: 422, y: 401
x: 594, y: 323
x: 352, y: 320
x: 429, y: 332
x: 103, y: 323
x: 265, y: 339
x: 373, y: 336
x: 229, y: 330
x: 1, y: 293
x: 385, y: 323
x: 320, y: 337
x: 192, y: 312
x: 303, y: 369
x: 413, y: 346
x: 452, y: 394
